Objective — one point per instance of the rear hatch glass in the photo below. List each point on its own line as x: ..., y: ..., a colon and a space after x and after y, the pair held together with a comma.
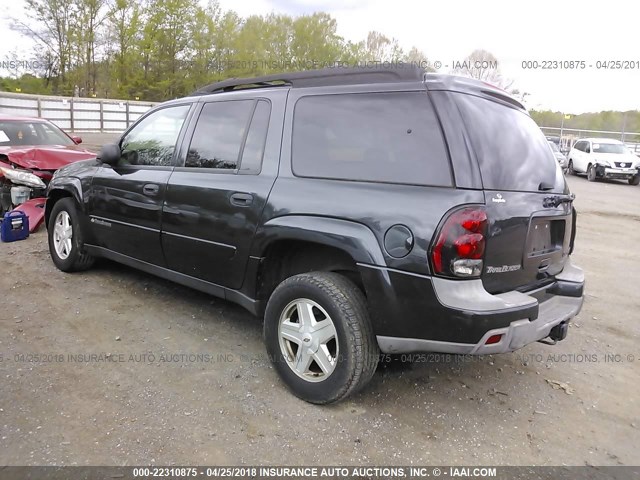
x: 512, y: 151
x: 529, y: 237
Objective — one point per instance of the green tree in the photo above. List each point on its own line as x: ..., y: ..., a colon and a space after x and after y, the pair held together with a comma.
x: 418, y: 57
x: 315, y: 42
x: 123, y: 26
x: 167, y: 36
x: 380, y: 48
x: 53, y: 30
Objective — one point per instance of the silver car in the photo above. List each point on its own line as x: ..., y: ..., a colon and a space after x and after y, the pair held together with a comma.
x: 560, y: 158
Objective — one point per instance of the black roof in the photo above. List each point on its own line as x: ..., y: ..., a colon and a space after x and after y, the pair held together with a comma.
x: 397, y: 73
x: 323, y: 77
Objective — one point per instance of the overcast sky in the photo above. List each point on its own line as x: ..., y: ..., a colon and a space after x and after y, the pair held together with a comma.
x: 513, y: 31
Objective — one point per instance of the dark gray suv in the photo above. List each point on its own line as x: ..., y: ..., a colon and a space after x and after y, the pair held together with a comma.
x: 358, y: 211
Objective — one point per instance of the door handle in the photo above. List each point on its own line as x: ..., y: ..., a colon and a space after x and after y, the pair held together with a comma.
x: 151, y: 189
x: 241, y: 199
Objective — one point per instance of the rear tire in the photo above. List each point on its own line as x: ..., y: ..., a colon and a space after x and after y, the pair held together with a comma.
x: 635, y: 180
x: 66, y: 244
x: 340, y: 356
x: 591, y: 173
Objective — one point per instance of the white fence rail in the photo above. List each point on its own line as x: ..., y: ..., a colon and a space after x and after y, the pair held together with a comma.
x: 569, y: 136
x: 76, y: 114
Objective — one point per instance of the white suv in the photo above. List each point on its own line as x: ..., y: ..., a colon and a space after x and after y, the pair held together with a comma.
x: 604, y: 158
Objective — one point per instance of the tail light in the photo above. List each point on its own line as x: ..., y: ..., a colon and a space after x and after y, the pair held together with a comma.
x: 460, y: 243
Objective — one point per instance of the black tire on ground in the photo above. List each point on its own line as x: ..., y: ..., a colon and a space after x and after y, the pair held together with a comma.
x: 635, y: 180
x: 591, y: 173
x: 357, y: 349
x: 570, y: 169
x: 78, y: 259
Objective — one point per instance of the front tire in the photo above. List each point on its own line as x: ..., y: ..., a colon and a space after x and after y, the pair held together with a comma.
x: 591, y: 173
x: 635, y: 180
x: 319, y: 337
x: 570, y: 169
x: 66, y: 244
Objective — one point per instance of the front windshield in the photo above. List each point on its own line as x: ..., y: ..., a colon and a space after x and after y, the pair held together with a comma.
x: 554, y: 147
x: 14, y: 133
x: 608, y: 148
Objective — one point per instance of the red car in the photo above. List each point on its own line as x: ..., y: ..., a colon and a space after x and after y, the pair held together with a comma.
x: 31, y: 150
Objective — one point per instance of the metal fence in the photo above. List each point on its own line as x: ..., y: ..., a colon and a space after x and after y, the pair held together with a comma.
x: 76, y: 114
x: 569, y: 136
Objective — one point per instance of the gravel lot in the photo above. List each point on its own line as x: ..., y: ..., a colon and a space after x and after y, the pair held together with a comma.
x: 149, y: 396
x: 93, y: 141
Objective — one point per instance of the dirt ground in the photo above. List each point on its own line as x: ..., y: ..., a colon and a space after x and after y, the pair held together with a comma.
x: 178, y: 377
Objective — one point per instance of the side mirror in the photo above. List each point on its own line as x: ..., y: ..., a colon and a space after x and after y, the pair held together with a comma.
x: 109, y: 154
x: 76, y: 140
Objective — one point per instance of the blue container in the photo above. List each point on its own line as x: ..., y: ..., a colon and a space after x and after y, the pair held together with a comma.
x: 15, y: 226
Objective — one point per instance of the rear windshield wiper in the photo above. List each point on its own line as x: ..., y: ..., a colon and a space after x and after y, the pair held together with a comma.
x: 557, y: 200
x: 545, y: 186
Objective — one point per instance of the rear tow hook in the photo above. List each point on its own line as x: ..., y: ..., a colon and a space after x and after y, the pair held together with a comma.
x: 557, y: 333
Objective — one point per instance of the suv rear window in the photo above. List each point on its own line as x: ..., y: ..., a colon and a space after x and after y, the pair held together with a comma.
x: 512, y: 151
x: 376, y: 137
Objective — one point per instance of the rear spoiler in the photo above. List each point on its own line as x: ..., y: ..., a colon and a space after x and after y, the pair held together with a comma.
x: 438, y: 81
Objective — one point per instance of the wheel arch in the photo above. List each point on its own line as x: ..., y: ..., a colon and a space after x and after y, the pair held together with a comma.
x: 63, y: 188
x: 296, y: 244
x: 352, y: 237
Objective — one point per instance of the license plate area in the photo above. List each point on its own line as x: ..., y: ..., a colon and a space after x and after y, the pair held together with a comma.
x: 545, y: 236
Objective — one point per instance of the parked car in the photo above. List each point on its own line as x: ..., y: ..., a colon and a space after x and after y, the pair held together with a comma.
x: 553, y: 139
x: 604, y: 158
x: 560, y: 158
x: 358, y: 211
x: 31, y: 150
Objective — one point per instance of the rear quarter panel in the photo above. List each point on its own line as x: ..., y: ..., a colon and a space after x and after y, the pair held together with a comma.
x: 378, y: 206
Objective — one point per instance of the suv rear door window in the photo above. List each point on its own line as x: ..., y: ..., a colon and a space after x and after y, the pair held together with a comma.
x: 512, y: 151
x: 376, y: 137
x: 219, y: 134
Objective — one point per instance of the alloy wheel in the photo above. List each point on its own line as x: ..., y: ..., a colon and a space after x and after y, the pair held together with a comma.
x: 308, y: 340
x: 63, y: 235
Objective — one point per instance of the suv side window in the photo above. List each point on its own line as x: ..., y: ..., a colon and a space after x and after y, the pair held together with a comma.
x: 253, y: 150
x: 587, y: 147
x: 219, y: 134
x: 376, y: 137
x: 153, y: 140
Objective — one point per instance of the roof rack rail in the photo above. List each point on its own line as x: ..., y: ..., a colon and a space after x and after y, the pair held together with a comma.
x: 324, y: 77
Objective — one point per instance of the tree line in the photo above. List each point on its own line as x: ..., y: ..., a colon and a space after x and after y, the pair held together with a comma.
x: 607, y: 120
x: 161, y: 49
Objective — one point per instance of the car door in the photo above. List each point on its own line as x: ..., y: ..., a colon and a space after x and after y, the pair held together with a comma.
x: 576, y: 156
x: 214, y: 200
x: 587, y: 156
x: 126, y: 199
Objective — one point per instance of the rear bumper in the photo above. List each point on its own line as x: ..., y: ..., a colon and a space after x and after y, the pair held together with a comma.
x: 466, y: 316
x: 518, y: 334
